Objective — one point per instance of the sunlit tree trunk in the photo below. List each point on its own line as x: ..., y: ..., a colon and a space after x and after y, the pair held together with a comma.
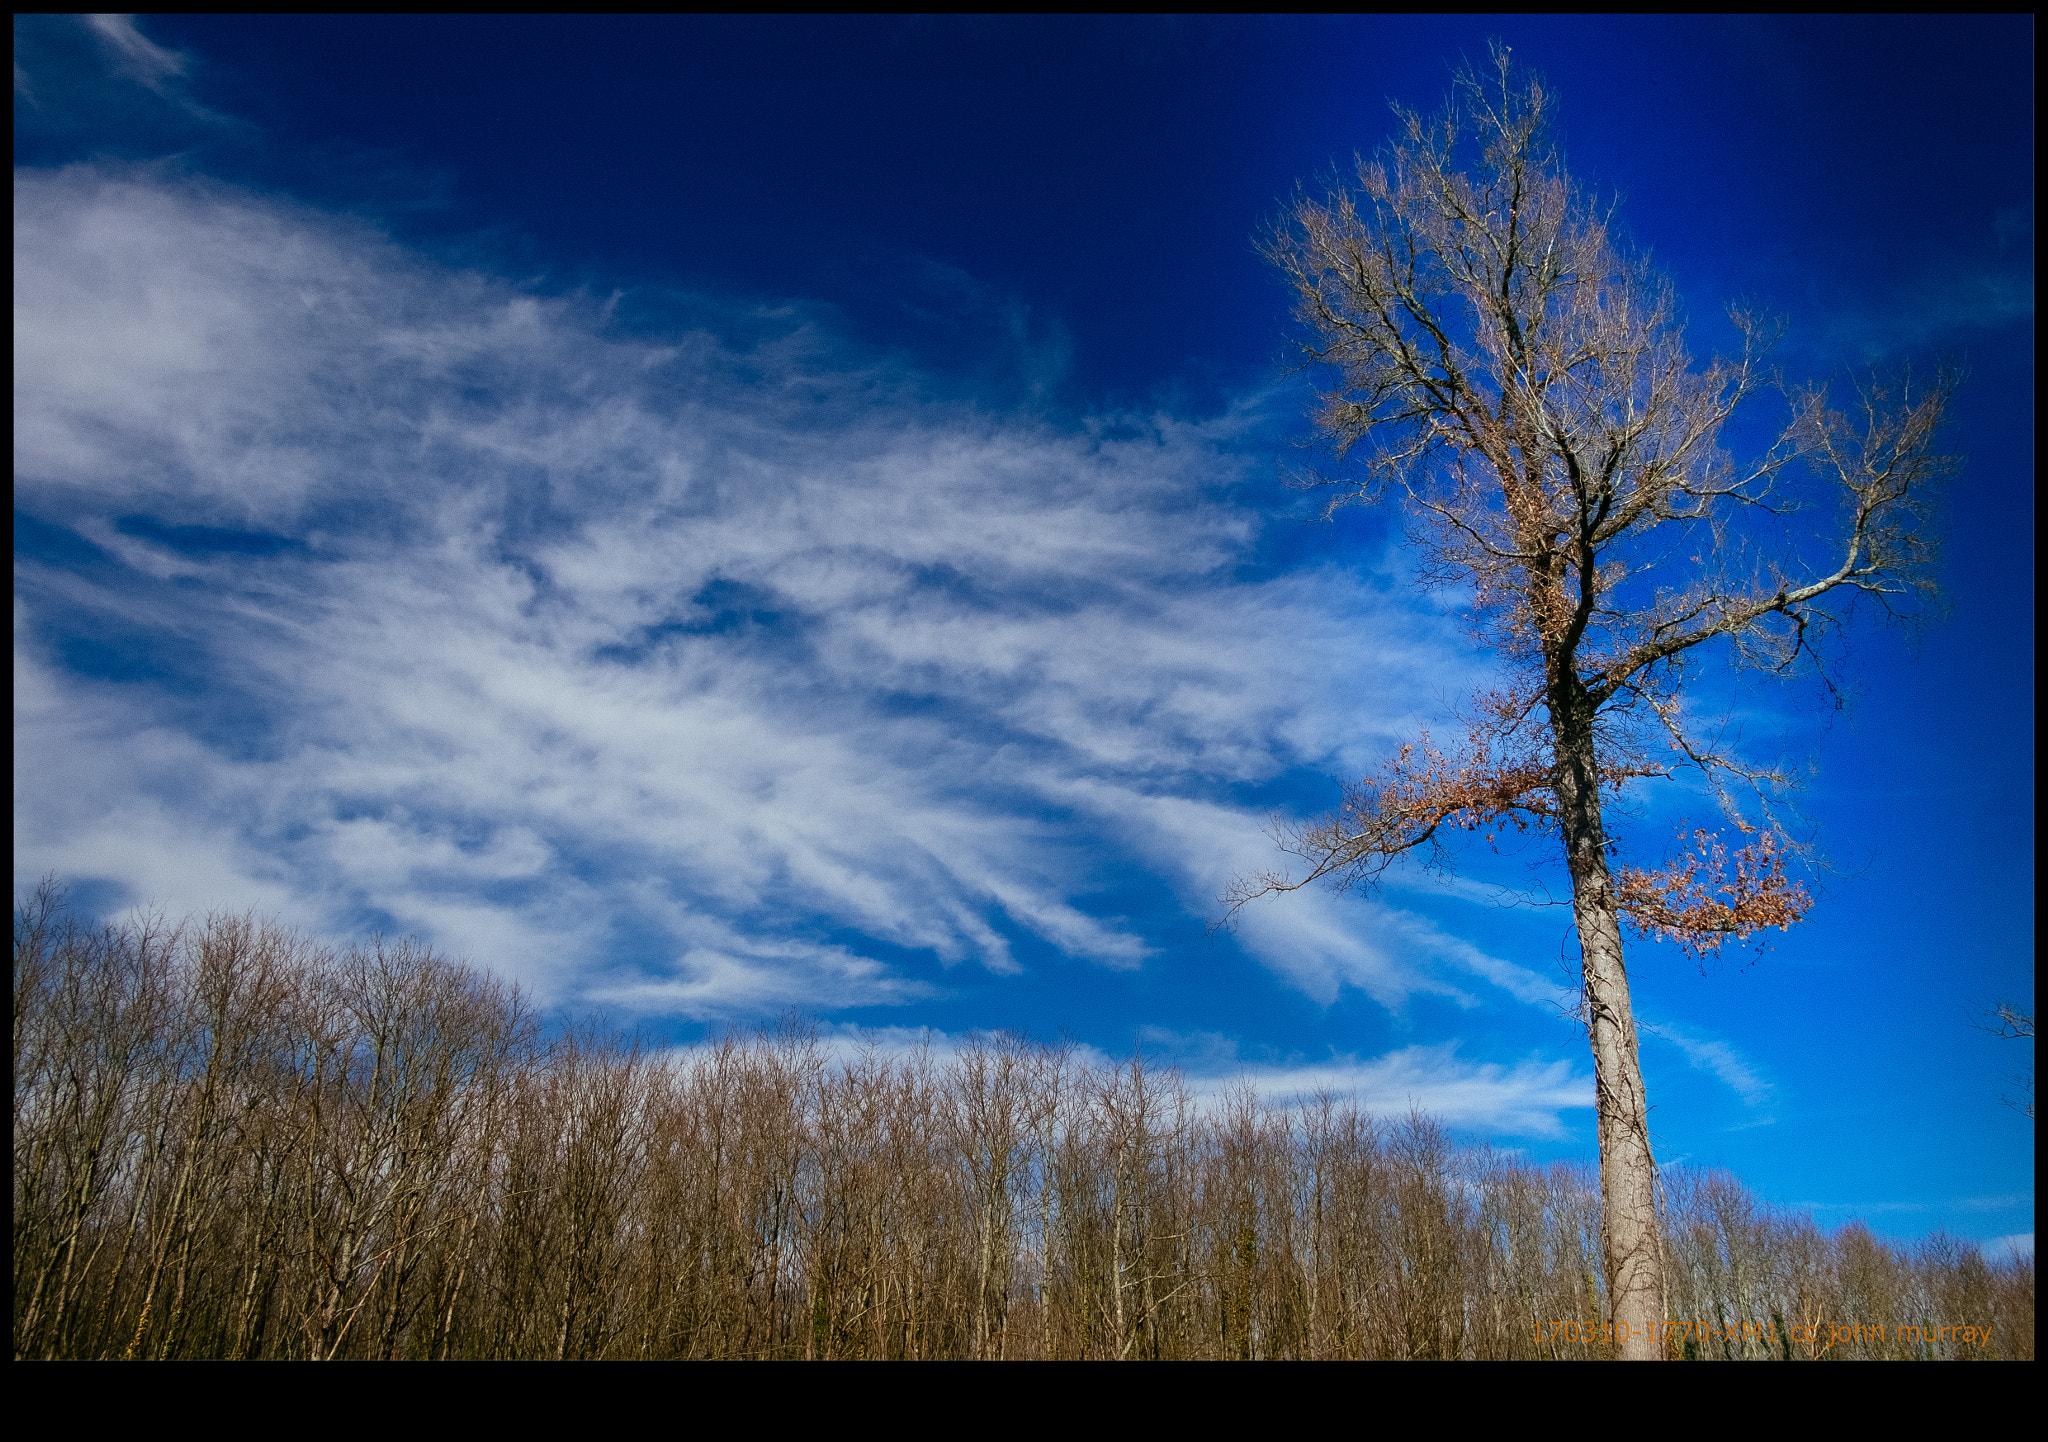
x: 1628, y: 1173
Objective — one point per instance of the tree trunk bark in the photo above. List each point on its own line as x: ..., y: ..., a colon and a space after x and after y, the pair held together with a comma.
x: 1628, y: 1173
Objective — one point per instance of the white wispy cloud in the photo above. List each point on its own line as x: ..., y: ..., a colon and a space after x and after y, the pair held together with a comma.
x: 1521, y: 1100
x: 686, y: 675
x: 1719, y: 1058
x: 2019, y: 1247
x: 1527, y: 1099
x: 135, y: 54
x: 1994, y: 1203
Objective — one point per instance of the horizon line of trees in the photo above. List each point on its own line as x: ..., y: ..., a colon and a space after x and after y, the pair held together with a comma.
x: 232, y: 1141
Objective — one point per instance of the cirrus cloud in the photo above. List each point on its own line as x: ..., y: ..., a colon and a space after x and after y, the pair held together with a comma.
x: 701, y: 674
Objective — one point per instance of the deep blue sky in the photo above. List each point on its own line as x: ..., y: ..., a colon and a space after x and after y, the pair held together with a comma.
x: 716, y: 515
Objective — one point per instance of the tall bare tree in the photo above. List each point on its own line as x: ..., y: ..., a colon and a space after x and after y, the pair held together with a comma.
x: 1495, y: 357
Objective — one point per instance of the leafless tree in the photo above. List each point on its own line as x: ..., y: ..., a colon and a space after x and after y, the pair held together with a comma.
x: 993, y: 1111
x: 231, y: 1141
x: 1493, y: 355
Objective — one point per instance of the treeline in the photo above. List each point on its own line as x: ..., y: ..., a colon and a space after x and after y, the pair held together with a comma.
x: 230, y: 1141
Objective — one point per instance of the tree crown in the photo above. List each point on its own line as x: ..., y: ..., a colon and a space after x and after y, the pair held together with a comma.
x: 1489, y: 351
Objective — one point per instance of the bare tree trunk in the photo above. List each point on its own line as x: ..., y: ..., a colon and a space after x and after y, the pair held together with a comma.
x: 1628, y: 1173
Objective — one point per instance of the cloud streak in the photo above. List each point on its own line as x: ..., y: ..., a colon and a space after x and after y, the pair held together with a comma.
x: 1721, y: 1060
x: 135, y: 54
x: 699, y: 675
x: 1525, y: 1099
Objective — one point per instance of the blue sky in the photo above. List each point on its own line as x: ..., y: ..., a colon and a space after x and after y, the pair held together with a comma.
x: 717, y: 517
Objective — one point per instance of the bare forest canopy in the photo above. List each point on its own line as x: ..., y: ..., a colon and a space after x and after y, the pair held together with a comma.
x: 232, y: 1141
